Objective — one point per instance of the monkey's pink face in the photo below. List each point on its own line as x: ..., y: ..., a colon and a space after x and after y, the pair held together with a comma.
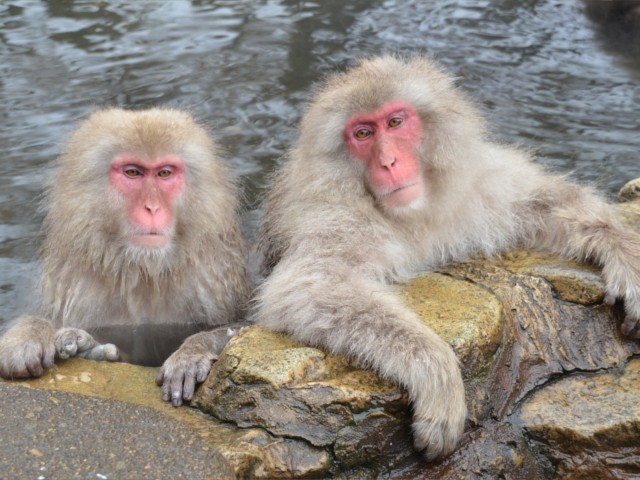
x: 386, y: 140
x: 149, y: 187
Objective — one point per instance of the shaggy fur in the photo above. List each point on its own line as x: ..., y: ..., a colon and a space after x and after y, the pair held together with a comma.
x: 330, y: 250
x: 93, y: 276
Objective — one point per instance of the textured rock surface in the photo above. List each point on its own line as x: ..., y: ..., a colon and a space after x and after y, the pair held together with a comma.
x: 468, y: 317
x: 333, y: 414
x: 630, y: 192
x: 590, y: 423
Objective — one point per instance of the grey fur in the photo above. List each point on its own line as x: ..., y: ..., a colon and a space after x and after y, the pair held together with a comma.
x: 330, y: 250
x: 92, y: 276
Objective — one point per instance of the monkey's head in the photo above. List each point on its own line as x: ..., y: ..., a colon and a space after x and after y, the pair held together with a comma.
x: 139, y: 181
x: 397, y: 122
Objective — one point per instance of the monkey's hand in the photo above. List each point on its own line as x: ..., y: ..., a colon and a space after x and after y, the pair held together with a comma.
x: 631, y: 325
x: 27, y: 348
x: 439, y: 408
x: 191, y: 363
x: 621, y: 272
x: 73, y: 342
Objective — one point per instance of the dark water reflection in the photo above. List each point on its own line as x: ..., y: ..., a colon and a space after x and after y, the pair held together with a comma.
x: 546, y: 73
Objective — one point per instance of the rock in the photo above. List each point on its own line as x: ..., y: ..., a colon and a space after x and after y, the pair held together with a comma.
x: 493, y: 451
x: 590, y: 423
x: 544, y: 334
x: 630, y: 192
x: 466, y: 316
x: 312, y: 399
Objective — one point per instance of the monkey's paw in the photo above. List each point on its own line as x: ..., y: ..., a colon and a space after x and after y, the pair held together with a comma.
x: 439, y: 420
x: 73, y: 342
x: 27, y: 349
x: 180, y: 373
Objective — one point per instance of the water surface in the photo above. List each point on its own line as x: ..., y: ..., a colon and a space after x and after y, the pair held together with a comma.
x: 549, y: 74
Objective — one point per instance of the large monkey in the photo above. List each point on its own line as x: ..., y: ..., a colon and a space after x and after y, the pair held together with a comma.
x: 141, y: 230
x: 393, y: 174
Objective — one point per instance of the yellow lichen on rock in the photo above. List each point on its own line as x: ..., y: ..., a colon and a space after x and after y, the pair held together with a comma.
x: 466, y: 316
x: 597, y: 411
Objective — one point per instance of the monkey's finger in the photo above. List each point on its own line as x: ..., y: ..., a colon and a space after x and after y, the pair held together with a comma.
x: 177, y: 381
x: 630, y: 327
x: 609, y: 299
x: 101, y: 353
x: 166, y: 389
x: 33, y: 361
x: 204, y: 366
x: 18, y: 370
x: 111, y: 353
x: 49, y: 355
x: 69, y: 348
x: 160, y: 378
x: 189, y: 386
x: 85, y: 341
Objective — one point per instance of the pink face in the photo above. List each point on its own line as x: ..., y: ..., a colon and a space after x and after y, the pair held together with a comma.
x: 386, y: 140
x: 149, y: 186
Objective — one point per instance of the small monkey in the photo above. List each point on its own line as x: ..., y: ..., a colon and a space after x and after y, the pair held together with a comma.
x: 141, y: 230
x: 393, y: 174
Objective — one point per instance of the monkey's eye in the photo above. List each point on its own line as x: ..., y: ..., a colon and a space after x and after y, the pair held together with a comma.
x: 363, y: 133
x: 164, y: 173
x: 394, y: 122
x: 132, y: 172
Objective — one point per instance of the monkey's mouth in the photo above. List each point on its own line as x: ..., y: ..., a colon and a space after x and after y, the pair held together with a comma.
x: 404, y: 195
x: 149, y: 239
x: 402, y: 188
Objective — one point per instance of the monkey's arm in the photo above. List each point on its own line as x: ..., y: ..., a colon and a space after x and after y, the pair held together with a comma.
x: 192, y: 361
x: 27, y: 348
x: 320, y: 296
x: 581, y: 225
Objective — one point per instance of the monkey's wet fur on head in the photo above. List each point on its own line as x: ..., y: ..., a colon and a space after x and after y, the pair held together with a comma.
x: 141, y: 228
x: 395, y: 173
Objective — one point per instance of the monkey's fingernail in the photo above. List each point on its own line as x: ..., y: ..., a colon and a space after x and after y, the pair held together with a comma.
x: 165, y: 397
x: 176, y: 402
x: 609, y: 300
x: 201, y: 377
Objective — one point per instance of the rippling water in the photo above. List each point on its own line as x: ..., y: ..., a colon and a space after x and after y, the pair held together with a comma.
x: 549, y: 76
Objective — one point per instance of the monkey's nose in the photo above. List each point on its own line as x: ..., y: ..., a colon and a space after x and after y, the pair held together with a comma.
x: 152, y: 208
